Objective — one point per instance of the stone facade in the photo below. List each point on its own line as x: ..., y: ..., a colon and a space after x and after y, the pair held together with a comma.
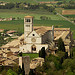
x: 34, y: 40
x: 28, y: 48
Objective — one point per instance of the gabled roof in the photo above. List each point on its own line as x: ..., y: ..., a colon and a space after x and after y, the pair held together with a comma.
x: 33, y: 32
x: 50, y: 28
x: 41, y: 30
x: 11, y: 31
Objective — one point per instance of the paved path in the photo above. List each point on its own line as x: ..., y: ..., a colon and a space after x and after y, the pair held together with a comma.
x: 65, y: 18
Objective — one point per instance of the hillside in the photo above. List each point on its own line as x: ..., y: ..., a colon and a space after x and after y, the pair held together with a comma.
x: 30, y: 1
x: 53, y: 0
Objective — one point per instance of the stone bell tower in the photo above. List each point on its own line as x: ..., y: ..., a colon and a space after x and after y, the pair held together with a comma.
x: 28, y: 25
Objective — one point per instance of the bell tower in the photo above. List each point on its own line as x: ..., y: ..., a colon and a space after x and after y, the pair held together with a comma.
x: 28, y: 25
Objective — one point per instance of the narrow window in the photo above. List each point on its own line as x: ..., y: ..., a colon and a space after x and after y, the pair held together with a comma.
x: 27, y: 25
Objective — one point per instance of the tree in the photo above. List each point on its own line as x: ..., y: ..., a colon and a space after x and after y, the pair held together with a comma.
x: 19, y: 33
x: 3, y: 72
x: 2, y: 41
x: 72, y: 53
x: 61, y: 55
x: 69, y: 73
x: 59, y: 3
x: 19, y: 70
x: 42, y: 53
x: 9, y: 5
x: 23, y: 71
x: 11, y: 72
x: 20, y: 54
x: 66, y: 55
x: 5, y: 31
x: 31, y: 72
x: 51, y: 8
x: 61, y: 45
x: 44, y: 18
x: 21, y: 6
x: 1, y: 68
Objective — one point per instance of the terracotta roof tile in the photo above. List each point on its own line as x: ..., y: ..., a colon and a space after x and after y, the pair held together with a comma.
x: 28, y: 16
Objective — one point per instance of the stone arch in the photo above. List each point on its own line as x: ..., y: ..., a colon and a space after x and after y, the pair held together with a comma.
x: 33, y: 48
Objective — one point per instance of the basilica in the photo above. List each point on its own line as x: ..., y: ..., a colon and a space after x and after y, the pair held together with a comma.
x: 34, y: 37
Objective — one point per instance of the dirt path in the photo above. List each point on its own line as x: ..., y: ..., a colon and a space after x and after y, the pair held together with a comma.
x: 65, y: 18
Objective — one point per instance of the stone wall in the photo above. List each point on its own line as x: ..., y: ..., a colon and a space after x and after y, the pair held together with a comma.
x: 25, y: 62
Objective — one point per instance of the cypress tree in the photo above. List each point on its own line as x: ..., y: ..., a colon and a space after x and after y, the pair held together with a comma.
x: 61, y: 60
x: 42, y: 53
x: 72, y: 53
x: 20, y: 54
x: 23, y: 71
x: 61, y: 45
x: 66, y: 55
x: 31, y: 72
x: 19, y: 70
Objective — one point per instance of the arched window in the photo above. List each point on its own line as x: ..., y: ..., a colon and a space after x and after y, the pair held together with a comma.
x: 27, y: 20
x: 27, y: 25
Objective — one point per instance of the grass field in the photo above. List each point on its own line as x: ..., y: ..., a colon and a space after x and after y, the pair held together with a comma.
x: 14, y: 1
x: 36, y: 16
x: 19, y: 24
x: 29, y: 1
x: 70, y: 16
x: 22, y: 13
x: 52, y: 0
x: 34, y: 55
x: 16, y: 25
x: 44, y: 0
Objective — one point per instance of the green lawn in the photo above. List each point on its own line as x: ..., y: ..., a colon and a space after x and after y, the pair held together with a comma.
x: 19, y: 24
x: 70, y: 16
x: 28, y: 1
x: 32, y: 55
x: 21, y: 13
